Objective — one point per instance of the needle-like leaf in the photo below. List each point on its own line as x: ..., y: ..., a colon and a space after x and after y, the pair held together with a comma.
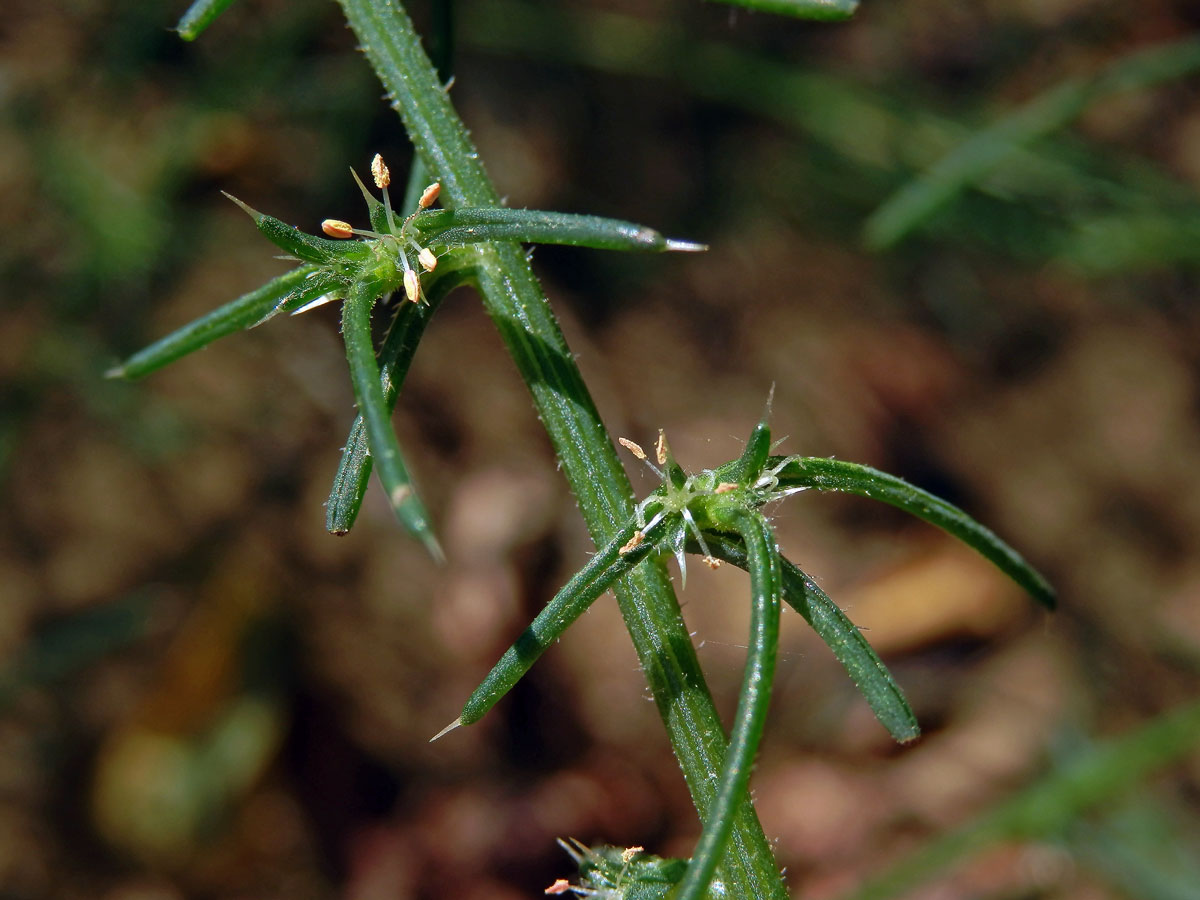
x: 471, y: 225
x: 395, y: 356
x: 990, y: 147
x: 766, y: 588
x: 852, y: 650
x: 835, y: 475
x: 381, y: 439
x: 820, y: 10
x: 199, y: 16
x: 244, y: 312
x: 601, y: 571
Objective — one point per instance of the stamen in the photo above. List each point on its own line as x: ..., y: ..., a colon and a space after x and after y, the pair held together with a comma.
x: 379, y: 171
x: 412, y: 285
x: 383, y: 178
x: 336, y: 228
x: 638, y: 537
x: 429, y: 195
x: 427, y: 260
x: 633, y: 448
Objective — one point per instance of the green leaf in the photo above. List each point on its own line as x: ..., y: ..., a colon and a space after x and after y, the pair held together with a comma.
x: 244, y: 312
x: 990, y: 147
x: 820, y: 10
x: 395, y: 356
x: 852, y: 650
x: 1051, y: 804
x: 766, y: 588
x: 300, y: 244
x: 470, y: 225
x: 518, y: 307
x: 381, y: 439
x: 601, y: 571
x: 199, y: 16
x: 852, y: 478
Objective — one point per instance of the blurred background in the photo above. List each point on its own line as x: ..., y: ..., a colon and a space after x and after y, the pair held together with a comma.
x: 204, y: 695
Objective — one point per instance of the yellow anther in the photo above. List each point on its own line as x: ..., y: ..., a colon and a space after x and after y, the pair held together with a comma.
x: 412, y: 285
x: 660, y: 449
x: 633, y: 448
x: 336, y: 228
x: 725, y: 487
x: 637, y: 538
x: 379, y: 171
x: 427, y: 260
x: 429, y: 195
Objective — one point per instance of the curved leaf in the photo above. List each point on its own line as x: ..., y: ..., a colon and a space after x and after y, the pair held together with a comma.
x: 835, y: 475
x: 395, y: 356
x: 852, y: 650
x: 766, y: 588
x: 381, y: 439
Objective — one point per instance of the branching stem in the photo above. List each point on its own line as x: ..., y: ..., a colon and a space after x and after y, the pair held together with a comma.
x: 517, y: 305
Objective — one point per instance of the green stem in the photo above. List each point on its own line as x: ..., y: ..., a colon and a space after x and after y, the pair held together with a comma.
x: 516, y: 304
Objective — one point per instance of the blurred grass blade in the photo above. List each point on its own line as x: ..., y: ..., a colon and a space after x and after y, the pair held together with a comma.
x: 820, y: 10
x: 1051, y: 804
x: 461, y: 226
x: 976, y: 157
x: 199, y: 16
x: 852, y: 650
x: 1141, y: 850
x: 766, y: 586
x: 600, y: 573
x: 62, y: 647
x: 395, y: 356
x: 381, y: 439
x: 835, y: 475
x: 244, y: 312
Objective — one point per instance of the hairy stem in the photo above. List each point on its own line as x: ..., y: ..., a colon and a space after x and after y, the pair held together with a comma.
x: 526, y: 323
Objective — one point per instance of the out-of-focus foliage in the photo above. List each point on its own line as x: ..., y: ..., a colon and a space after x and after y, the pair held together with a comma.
x: 1029, y: 351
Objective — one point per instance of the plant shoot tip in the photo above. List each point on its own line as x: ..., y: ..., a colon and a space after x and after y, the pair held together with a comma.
x: 115, y: 372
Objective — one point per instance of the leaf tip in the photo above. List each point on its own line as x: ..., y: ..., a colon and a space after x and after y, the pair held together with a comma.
x: 445, y: 731
x: 246, y: 208
x: 434, y: 548
x: 680, y: 246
